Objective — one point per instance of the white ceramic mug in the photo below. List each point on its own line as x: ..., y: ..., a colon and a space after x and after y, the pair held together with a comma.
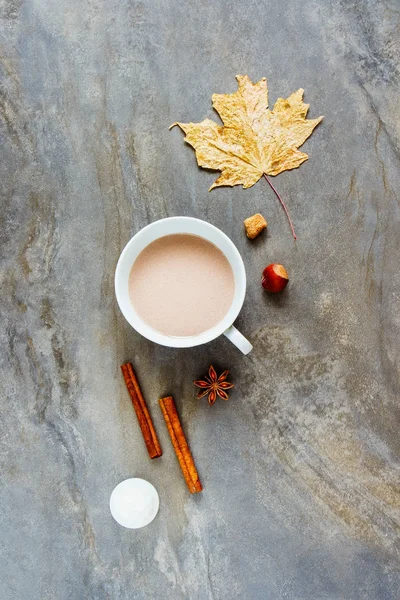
x: 188, y: 225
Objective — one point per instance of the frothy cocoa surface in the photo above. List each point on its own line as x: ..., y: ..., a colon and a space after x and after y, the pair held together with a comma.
x: 181, y: 285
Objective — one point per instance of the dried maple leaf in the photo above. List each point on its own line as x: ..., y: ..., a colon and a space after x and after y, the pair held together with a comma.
x: 254, y: 141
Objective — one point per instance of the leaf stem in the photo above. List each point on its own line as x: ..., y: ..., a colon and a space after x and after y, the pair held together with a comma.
x: 283, y: 204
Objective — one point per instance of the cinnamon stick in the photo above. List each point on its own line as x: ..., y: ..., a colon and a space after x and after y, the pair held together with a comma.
x: 142, y: 412
x: 180, y: 444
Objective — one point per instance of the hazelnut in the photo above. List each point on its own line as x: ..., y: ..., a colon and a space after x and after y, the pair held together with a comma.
x: 274, y: 278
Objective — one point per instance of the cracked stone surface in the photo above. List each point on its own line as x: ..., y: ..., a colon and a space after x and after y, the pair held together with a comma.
x: 300, y: 468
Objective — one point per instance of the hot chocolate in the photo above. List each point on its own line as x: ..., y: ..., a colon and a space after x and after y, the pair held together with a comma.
x: 181, y: 285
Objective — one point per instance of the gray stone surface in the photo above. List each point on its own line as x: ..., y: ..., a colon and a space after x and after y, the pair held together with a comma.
x: 300, y: 467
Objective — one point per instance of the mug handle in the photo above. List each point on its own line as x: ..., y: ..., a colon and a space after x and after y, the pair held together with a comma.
x: 238, y: 339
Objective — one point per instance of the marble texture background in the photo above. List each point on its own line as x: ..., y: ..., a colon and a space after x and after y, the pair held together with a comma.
x: 301, y: 466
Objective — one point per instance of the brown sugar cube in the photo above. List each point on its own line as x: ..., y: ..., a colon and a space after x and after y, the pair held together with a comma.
x: 255, y: 225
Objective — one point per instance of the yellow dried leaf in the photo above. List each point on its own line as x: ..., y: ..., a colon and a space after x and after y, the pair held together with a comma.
x: 254, y: 140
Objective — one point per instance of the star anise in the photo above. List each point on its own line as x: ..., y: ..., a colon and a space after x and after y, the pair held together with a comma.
x: 213, y: 386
